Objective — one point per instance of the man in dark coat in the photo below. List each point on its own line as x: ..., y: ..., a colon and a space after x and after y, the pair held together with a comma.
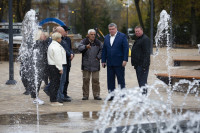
x: 70, y: 56
x: 140, y: 57
x: 66, y: 44
x: 91, y: 49
x: 115, y: 56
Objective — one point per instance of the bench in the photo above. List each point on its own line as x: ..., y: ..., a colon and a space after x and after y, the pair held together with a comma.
x: 186, y: 60
x: 177, y: 74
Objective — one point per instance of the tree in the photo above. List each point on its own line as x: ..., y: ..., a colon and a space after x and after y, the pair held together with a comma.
x: 4, y: 10
x: 185, y: 16
x: 90, y: 14
x: 139, y: 13
x: 20, y: 7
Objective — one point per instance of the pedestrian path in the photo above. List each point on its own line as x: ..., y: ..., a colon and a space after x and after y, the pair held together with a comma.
x: 12, y: 101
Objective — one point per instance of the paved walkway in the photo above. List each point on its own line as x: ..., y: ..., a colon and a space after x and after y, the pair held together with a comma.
x: 12, y: 101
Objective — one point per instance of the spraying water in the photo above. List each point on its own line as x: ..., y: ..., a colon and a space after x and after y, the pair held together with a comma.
x: 31, y: 57
x: 132, y: 112
x: 162, y: 29
x: 162, y: 39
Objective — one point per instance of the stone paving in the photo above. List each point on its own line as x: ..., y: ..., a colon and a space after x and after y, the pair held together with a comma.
x: 12, y: 101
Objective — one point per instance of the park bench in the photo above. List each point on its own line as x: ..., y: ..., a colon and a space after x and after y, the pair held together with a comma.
x: 186, y: 60
x: 177, y: 74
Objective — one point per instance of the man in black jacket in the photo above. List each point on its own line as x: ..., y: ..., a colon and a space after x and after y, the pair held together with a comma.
x: 140, y: 57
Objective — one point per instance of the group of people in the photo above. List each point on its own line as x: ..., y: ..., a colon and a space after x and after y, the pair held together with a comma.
x: 115, y: 57
x: 113, y: 54
x: 48, y: 59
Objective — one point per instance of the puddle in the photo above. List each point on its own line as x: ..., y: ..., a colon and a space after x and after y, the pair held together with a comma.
x: 72, y: 122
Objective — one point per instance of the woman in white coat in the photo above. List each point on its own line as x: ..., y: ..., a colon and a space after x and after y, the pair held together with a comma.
x: 56, y: 58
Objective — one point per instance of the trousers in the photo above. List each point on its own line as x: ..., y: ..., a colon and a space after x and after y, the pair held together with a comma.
x: 95, y: 83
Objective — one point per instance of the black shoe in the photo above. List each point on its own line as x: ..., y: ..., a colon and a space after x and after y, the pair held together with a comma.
x: 97, y: 98
x: 66, y: 99
x: 85, y: 98
x: 60, y: 101
x: 47, y: 92
x: 27, y: 92
x: 67, y: 96
x: 111, y: 98
x: 144, y: 92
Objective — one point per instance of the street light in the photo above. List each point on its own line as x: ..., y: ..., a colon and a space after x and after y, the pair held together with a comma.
x: 11, y: 80
x: 151, y: 32
x: 126, y: 5
x: 74, y: 12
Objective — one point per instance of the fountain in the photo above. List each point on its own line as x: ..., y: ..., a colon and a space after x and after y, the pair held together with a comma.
x: 128, y: 112
x: 131, y: 112
x: 30, y: 58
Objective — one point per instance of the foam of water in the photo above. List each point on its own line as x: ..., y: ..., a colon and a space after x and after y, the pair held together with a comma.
x: 130, y: 108
x: 162, y: 27
x: 28, y: 53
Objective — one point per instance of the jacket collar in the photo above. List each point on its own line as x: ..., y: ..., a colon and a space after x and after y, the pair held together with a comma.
x: 116, y: 37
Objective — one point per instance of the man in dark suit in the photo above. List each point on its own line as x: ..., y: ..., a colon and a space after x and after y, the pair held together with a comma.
x: 140, y: 57
x: 115, y: 56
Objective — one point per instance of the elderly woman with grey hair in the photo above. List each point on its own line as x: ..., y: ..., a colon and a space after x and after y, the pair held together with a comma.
x: 56, y: 56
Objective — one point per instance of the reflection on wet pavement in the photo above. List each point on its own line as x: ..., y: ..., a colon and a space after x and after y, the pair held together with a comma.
x: 66, y: 121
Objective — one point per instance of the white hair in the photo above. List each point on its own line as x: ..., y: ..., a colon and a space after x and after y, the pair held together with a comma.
x: 38, y: 35
x: 91, y: 30
x: 56, y: 36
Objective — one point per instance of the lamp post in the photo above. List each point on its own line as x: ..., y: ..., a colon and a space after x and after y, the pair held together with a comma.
x: 171, y: 31
x: 126, y: 5
x: 11, y: 80
x: 74, y: 12
x: 151, y: 32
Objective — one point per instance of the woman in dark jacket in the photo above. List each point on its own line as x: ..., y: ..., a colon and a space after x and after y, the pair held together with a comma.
x: 32, y: 65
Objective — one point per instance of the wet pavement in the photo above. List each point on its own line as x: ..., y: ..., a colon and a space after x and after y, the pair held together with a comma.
x: 19, y: 114
x: 72, y: 122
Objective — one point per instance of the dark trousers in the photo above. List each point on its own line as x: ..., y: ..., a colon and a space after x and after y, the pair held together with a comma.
x: 67, y: 81
x: 24, y: 77
x: 55, y: 82
x: 46, y: 75
x: 142, y: 76
x: 24, y: 81
x: 35, y: 87
x: 60, y: 95
x: 29, y: 81
x: 113, y: 71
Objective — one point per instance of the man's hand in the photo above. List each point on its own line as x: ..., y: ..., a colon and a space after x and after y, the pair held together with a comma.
x: 124, y: 63
x: 72, y: 56
x: 103, y: 65
x: 61, y: 72
x: 88, y: 46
